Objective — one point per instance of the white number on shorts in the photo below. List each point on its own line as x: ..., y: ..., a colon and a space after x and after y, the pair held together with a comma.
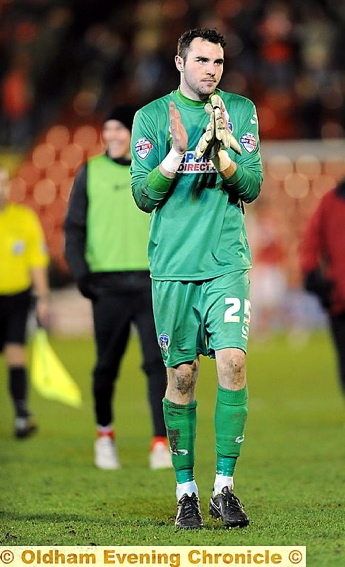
x: 247, y: 308
x: 231, y: 313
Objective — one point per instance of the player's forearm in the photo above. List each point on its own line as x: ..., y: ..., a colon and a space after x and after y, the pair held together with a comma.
x: 245, y: 183
x: 238, y: 180
x: 149, y: 192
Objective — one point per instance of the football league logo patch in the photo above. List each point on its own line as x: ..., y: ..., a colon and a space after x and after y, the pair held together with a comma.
x: 18, y: 247
x: 143, y: 148
x: 164, y: 342
x: 249, y: 142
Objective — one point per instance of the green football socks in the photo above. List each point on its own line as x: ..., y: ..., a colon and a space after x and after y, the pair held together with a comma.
x: 180, y: 423
x: 230, y: 420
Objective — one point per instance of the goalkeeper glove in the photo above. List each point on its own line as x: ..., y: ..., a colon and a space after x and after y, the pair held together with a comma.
x: 223, y: 133
x: 205, y: 146
x: 217, y: 135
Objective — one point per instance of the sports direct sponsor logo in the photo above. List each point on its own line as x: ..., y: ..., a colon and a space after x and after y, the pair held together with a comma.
x: 249, y: 142
x: 189, y: 165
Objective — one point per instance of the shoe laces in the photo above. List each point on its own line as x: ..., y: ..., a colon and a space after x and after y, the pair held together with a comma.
x: 230, y: 498
x: 190, y: 505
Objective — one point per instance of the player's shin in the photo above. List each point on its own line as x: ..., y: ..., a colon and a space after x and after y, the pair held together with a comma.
x: 180, y: 423
x: 230, y: 420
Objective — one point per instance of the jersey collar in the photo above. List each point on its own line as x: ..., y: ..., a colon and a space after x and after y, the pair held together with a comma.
x: 190, y: 102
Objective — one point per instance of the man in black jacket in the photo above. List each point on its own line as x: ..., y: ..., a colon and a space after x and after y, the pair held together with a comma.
x: 106, y: 249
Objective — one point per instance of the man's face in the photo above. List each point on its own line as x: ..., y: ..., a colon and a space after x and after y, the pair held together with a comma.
x: 116, y: 138
x: 202, y: 70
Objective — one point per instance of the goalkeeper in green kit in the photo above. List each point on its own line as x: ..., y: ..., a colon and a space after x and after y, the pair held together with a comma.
x: 195, y: 162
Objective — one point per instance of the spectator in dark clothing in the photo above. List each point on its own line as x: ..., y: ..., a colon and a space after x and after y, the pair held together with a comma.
x: 106, y: 249
x: 323, y: 265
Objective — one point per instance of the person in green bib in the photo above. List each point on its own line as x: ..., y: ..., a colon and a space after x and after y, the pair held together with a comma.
x: 195, y: 162
x: 106, y: 240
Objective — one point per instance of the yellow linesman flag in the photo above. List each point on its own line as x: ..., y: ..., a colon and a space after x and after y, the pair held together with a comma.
x: 48, y: 375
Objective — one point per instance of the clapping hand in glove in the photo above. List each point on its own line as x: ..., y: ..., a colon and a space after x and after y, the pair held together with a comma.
x: 208, y: 145
x: 217, y: 134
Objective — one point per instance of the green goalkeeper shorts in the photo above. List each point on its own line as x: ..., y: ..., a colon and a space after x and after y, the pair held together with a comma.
x: 195, y: 318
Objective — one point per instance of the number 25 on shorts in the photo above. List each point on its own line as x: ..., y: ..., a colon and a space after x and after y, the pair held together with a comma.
x: 233, y: 313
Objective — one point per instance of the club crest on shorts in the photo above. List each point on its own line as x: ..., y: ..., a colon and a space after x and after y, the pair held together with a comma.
x: 164, y: 341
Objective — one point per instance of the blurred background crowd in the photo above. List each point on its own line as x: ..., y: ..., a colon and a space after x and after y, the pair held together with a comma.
x: 64, y: 63
x: 79, y: 56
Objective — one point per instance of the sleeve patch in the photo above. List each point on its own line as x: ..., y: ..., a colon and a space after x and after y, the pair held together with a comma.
x: 143, y: 148
x: 249, y: 142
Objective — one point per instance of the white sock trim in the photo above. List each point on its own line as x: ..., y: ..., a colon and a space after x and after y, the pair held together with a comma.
x: 221, y: 481
x: 186, y: 488
x: 105, y: 429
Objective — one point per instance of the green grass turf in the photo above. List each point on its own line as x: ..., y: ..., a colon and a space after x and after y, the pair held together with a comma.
x: 290, y: 475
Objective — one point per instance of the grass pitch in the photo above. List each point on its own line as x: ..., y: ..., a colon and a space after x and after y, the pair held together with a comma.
x: 290, y: 475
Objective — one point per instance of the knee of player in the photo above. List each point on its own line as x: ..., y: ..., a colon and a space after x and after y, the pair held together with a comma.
x: 232, y: 370
x: 184, y: 377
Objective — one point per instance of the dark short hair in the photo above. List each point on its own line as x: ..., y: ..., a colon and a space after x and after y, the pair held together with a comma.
x: 207, y: 34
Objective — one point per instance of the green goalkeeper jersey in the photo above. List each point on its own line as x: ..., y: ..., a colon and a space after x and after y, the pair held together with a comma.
x: 197, y: 228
